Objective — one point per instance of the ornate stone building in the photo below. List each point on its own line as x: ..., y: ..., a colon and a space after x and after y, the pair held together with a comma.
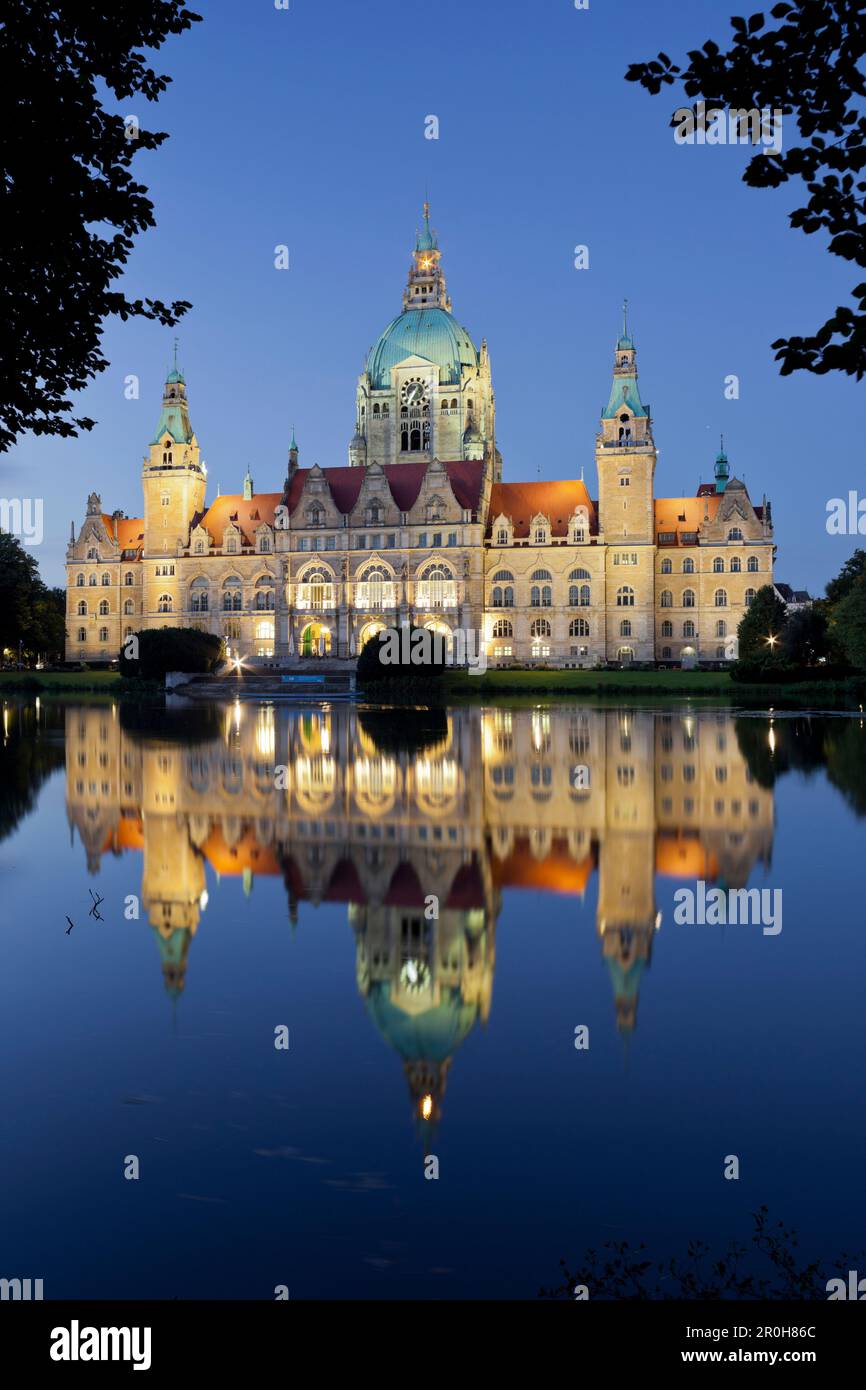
x: 420, y: 527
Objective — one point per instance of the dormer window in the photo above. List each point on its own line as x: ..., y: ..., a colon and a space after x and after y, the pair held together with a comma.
x: 735, y: 534
x: 502, y: 536
x: 540, y: 535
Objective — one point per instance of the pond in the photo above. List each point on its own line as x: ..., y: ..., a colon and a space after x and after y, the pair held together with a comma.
x: 363, y: 1003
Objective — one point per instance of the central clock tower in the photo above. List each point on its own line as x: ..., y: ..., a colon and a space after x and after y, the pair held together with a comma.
x: 426, y: 391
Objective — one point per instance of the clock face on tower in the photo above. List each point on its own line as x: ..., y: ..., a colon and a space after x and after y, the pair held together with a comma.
x: 414, y: 393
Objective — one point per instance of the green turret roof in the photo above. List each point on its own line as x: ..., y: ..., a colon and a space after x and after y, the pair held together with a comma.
x: 624, y: 391
x: 426, y: 239
x: 174, y: 417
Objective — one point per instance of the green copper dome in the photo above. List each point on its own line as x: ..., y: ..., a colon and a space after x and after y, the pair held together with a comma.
x: 433, y: 1035
x: 433, y: 334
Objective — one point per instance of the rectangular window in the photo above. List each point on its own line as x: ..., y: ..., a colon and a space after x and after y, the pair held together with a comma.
x: 392, y: 541
x: 452, y: 537
x: 422, y: 539
x: 330, y: 542
x: 437, y: 538
x: 302, y: 543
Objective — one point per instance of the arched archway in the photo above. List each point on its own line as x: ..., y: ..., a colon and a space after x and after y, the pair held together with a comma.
x: 442, y: 630
x: 368, y: 631
x: 315, y: 640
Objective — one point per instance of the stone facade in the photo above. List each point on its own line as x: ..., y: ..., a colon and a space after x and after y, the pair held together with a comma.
x: 420, y: 527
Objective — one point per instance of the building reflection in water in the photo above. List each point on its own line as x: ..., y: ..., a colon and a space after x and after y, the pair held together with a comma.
x: 387, y: 812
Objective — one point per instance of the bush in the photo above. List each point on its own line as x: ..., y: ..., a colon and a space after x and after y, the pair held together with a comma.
x: 411, y: 655
x: 166, y: 649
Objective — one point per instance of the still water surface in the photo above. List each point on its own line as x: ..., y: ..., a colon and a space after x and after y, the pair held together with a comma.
x: 553, y: 840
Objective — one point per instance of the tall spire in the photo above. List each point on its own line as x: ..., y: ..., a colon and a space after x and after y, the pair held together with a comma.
x: 626, y: 341
x: 624, y: 393
x: 723, y: 468
x: 426, y: 239
x: 426, y: 287
x: 174, y: 417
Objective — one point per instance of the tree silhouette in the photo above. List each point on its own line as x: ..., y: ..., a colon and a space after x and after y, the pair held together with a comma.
x: 809, y: 65
x: 69, y: 207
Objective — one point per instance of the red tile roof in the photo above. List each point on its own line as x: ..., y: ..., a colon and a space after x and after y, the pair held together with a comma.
x: 556, y: 500
x: 130, y: 531
x: 248, y: 515
x: 404, y: 480
x: 678, y: 514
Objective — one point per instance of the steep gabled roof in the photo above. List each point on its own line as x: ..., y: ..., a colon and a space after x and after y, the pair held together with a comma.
x: 405, y: 481
x: 557, y: 500
x: 130, y: 531
x: 678, y: 514
x: 247, y: 514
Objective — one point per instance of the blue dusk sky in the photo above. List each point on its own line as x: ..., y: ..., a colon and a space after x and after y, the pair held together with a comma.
x: 305, y: 127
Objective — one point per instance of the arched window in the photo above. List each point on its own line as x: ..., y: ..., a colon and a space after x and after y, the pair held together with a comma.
x: 721, y: 628
x: 735, y: 534
x: 736, y: 564
x: 688, y: 598
x: 315, y: 515
x: 578, y: 627
x: 502, y: 536
x: 503, y: 596
x: 667, y: 599
x: 540, y: 535
x: 579, y: 574
x: 264, y: 600
x: 198, y: 595
x: 752, y: 564
x: 82, y: 634
x: 103, y: 634
x: 666, y: 652
x: 103, y: 608
x: 688, y: 565
x: 80, y: 581
x: 749, y: 597
x: 129, y: 578
x: 164, y: 604
x: 92, y: 553
x: 129, y: 606
x: 540, y: 628
x: 92, y: 581
x: 316, y: 590
x: 502, y: 628
x: 539, y: 575
x: 625, y: 628
x: 375, y: 590
x: 232, y: 594
x: 82, y: 609
x: 688, y: 629
x: 667, y: 567
x: 199, y: 547
x: 718, y: 565
x: 625, y: 596
x: 106, y: 579
x: 667, y: 629
x: 436, y: 588
x: 720, y: 598
x: 503, y: 577
x: 374, y: 515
